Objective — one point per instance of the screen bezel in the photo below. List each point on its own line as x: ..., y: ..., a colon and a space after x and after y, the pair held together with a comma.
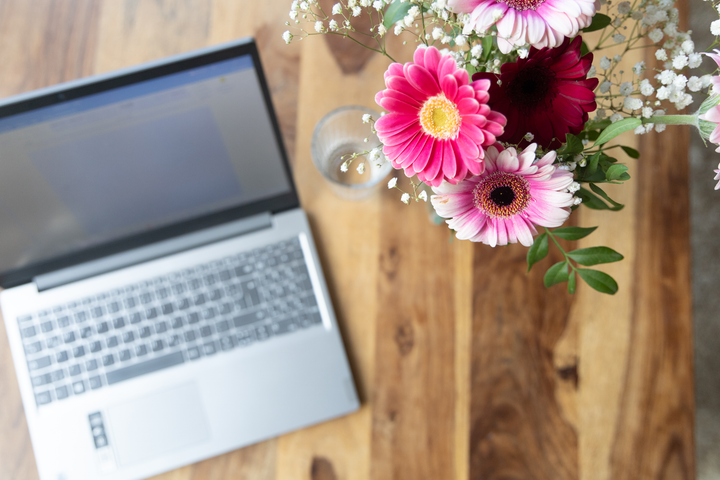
x: 93, y: 85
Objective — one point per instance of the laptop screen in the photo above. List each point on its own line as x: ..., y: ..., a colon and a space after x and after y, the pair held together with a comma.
x: 128, y: 160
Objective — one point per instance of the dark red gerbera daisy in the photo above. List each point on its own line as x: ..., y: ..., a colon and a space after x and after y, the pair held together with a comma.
x: 547, y: 94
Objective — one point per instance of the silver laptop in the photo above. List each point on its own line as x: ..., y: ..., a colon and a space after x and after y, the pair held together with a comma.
x: 163, y: 297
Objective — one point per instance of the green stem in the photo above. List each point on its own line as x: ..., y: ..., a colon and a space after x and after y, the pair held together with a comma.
x: 567, y: 259
x: 672, y: 119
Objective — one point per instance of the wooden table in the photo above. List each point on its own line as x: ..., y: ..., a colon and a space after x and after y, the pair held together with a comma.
x: 467, y: 367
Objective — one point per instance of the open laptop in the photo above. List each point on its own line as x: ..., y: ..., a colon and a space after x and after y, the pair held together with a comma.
x: 163, y: 297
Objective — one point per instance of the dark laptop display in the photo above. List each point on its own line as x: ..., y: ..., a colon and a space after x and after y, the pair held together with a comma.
x: 192, y: 134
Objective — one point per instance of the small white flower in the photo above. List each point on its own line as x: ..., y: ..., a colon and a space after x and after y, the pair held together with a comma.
x: 529, y: 137
x: 626, y: 89
x: 647, y: 112
x: 446, y: 39
x: 333, y: 25
x: 337, y: 9
x: 694, y: 60
x: 615, y: 117
x: 405, y: 198
x: 617, y: 58
x: 304, y: 6
x: 293, y: 14
x: 680, y: 62
x: 319, y: 27
x: 632, y: 103
x: 618, y: 38
x: 582, y: 162
x: 361, y: 168
x: 605, y: 63
x: 356, y: 11
x: 688, y: 46
x: 637, y: 15
x: 577, y: 200
x: 474, y: 62
x: 715, y: 28
x: 601, y: 113
x: 661, y: 55
x: 287, y: 36
x: 591, y: 72
x: 351, y: 3
x: 414, y: 11
x: 423, y: 196
x: 392, y: 182
x: 640, y: 130
x: 660, y: 127
x: 398, y: 29
x: 344, y: 167
x: 295, y: 6
x: 667, y: 77
x: 623, y: 8
x: 476, y: 51
x: 639, y: 68
x: 605, y: 86
x: 574, y: 187
x: 378, y: 5
x: 670, y: 29
x: 524, y: 52
x: 680, y: 82
x: 366, y: 118
x: 662, y: 93
x: 460, y: 40
x: 655, y: 35
x: 438, y: 33
x: 646, y: 88
x: 684, y: 102
x: 694, y: 84
x: 706, y: 80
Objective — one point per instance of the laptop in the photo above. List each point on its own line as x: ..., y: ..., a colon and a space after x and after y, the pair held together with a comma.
x: 163, y: 297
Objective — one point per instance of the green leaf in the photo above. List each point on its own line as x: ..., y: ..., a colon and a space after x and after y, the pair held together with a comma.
x: 573, y: 145
x: 584, y: 49
x: 591, y: 201
x: 573, y: 233
x: 395, y: 12
x: 615, y: 172
x: 571, y: 283
x: 595, y: 256
x: 615, y: 129
x: 615, y: 205
x: 599, y: 22
x: 602, y: 282
x: 593, y: 164
x: 558, y: 273
x: 487, y: 44
x: 632, y: 153
x: 538, y: 250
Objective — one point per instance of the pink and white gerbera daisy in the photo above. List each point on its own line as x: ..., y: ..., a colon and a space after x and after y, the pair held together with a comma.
x: 539, y: 23
x: 438, y: 123
x: 505, y: 203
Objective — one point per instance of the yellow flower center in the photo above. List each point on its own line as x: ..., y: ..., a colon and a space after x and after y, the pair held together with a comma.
x: 440, y: 118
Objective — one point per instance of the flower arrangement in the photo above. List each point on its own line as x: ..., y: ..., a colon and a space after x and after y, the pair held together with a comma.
x: 493, y: 112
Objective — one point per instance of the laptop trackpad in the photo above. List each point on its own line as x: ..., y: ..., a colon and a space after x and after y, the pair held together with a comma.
x: 158, y: 424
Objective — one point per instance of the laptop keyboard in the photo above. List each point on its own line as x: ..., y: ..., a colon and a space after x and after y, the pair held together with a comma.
x: 181, y: 317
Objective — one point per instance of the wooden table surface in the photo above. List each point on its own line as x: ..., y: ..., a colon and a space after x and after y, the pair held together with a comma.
x: 467, y: 367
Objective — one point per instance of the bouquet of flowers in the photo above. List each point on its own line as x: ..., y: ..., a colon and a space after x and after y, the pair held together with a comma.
x: 493, y: 111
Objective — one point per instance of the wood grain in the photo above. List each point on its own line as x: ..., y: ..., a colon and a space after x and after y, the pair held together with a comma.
x: 467, y: 367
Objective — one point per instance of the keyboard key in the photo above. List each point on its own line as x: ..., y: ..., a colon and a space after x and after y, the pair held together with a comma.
x: 222, y: 326
x: 74, y: 370
x: 108, y: 360
x: 24, y: 318
x: 284, y: 326
x: 62, y: 392
x: 248, y: 318
x: 125, y: 355
x: 224, y: 275
x: 41, y: 380
x: 162, y: 293
x: 193, y: 317
x: 144, y: 332
x: 216, y: 295
x: 32, y: 348
x: 112, y: 342
x: 95, y: 382
x: 161, y: 327
x: 157, y: 345
x: 209, y: 313
x: 263, y: 332
x: 46, y: 327
x: 190, y: 336
x: 128, y: 336
x: 130, y: 302
x: 28, y: 332
x: 250, y: 290
x: 209, y: 348
x: 80, y: 317
x: 195, y: 284
x: 43, y: 398
x: 167, y: 309
x: 119, y: 322
x: 178, y: 288
x: 183, y: 304
x: 151, y: 313
x: 97, y: 312
x: 53, y: 342
x: 148, y: 366
x: 194, y: 353
x: 103, y: 327
x: 113, y: 307
x: 78, y: 351
x: 141, y: 350
x: 62, y: 357
x: 86, y: 332
x: 205, y: 331
x: 69, y: 337
x: 95, y: 346
x: 199, y: 299
x: 145, y: 298
x: 176, y: 323
x: 63, y: 321
x: 227, y: 343
x: 57, y: 375
x: 91, y: 365
x: 136, y: 317
x: 79, y: 387
x: 174, y: 341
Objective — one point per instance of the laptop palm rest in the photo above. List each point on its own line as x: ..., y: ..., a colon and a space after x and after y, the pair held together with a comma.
x: 156, y: 424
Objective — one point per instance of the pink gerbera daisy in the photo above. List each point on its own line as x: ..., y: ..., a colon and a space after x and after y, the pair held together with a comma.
x: 505, y: 202
x: 539, y: 23
x: 438, y: 123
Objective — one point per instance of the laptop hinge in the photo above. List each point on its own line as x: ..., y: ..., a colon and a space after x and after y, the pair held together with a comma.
x: 152, y: 251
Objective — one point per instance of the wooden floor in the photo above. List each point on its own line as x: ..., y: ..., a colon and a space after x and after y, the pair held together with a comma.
x: 468, y: 368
